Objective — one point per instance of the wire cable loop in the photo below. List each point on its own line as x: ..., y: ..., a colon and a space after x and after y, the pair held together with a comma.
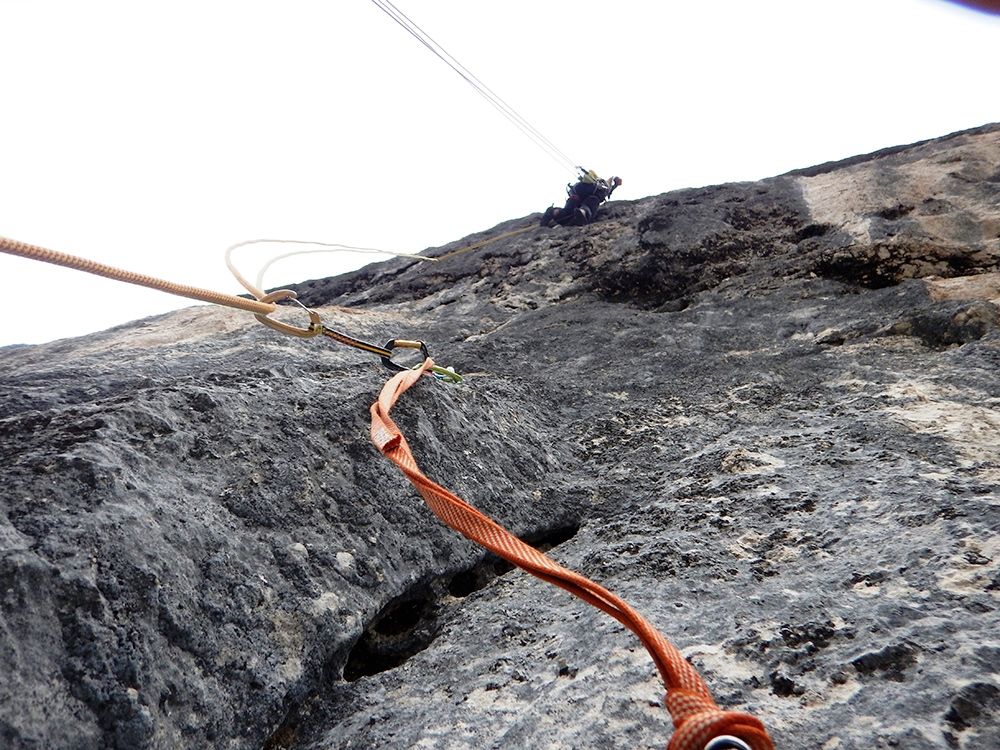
x: 315, y: 325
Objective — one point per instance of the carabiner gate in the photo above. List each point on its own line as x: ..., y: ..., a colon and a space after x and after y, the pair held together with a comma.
x: 441, y: 373
x: 402, y: 344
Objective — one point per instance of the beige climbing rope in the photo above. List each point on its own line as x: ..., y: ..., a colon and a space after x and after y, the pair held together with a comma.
x: 263, y: 305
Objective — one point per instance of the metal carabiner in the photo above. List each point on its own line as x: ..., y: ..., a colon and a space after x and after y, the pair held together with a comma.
x: 315, y: 327
x: 441, y: 373
x: 402, y: 344
x: 727, y: 742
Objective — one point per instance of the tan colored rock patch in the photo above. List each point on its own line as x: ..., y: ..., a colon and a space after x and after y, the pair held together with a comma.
x: 933, y: 194
x: 983, y: 286
x: 973, y: 430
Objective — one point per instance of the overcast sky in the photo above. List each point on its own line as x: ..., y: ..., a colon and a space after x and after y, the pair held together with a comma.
x: 151, y: 136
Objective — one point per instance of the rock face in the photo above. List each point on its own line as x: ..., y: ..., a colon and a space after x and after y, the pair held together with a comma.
x: 766, y: 414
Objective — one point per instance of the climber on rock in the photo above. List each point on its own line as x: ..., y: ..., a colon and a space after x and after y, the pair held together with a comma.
x: 584, y: 201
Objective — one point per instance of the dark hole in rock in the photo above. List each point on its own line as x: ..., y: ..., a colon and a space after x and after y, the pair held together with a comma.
x: 402, y: 618
x: 368, y: 659
x: 812, y: 230
x: 281, y: 738
x: 468, y: 581
x: 783, y: 686
x: 408, y: 624
x: 478, y: 576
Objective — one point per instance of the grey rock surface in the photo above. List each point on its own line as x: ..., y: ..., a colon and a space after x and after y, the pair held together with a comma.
x: 766, y: 414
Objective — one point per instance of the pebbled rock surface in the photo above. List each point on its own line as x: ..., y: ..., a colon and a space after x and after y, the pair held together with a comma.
x: 766, y: 414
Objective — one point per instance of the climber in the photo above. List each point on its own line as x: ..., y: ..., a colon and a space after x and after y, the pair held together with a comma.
x: 585, y: 198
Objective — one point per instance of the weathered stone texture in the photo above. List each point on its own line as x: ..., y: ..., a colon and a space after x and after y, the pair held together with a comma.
x: 766, y: 414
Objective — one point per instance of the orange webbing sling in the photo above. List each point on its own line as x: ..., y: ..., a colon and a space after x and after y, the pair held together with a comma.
x: 697, y: 719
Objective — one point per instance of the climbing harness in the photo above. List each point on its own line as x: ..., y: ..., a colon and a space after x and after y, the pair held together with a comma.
x: 582, y: 203
x: 698, y: 722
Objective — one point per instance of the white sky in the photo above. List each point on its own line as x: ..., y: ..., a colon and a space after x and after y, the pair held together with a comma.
x: 151, y: 136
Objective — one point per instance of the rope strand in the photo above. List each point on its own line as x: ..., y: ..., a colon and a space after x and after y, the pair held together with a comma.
x: 482, y: 89
x: 34, y: 252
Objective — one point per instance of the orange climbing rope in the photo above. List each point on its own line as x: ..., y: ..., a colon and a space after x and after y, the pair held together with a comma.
x: 697, y: 719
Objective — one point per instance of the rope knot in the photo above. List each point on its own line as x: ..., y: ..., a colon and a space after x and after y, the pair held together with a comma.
x: 697, y: 721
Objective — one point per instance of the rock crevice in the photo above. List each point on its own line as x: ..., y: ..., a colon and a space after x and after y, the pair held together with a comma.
x: 765, y: 414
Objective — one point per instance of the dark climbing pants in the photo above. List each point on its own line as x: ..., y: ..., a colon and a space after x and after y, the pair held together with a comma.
x: 570, y: 216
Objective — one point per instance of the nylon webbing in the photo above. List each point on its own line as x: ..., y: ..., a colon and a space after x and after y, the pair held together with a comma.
x: 696, y: 717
